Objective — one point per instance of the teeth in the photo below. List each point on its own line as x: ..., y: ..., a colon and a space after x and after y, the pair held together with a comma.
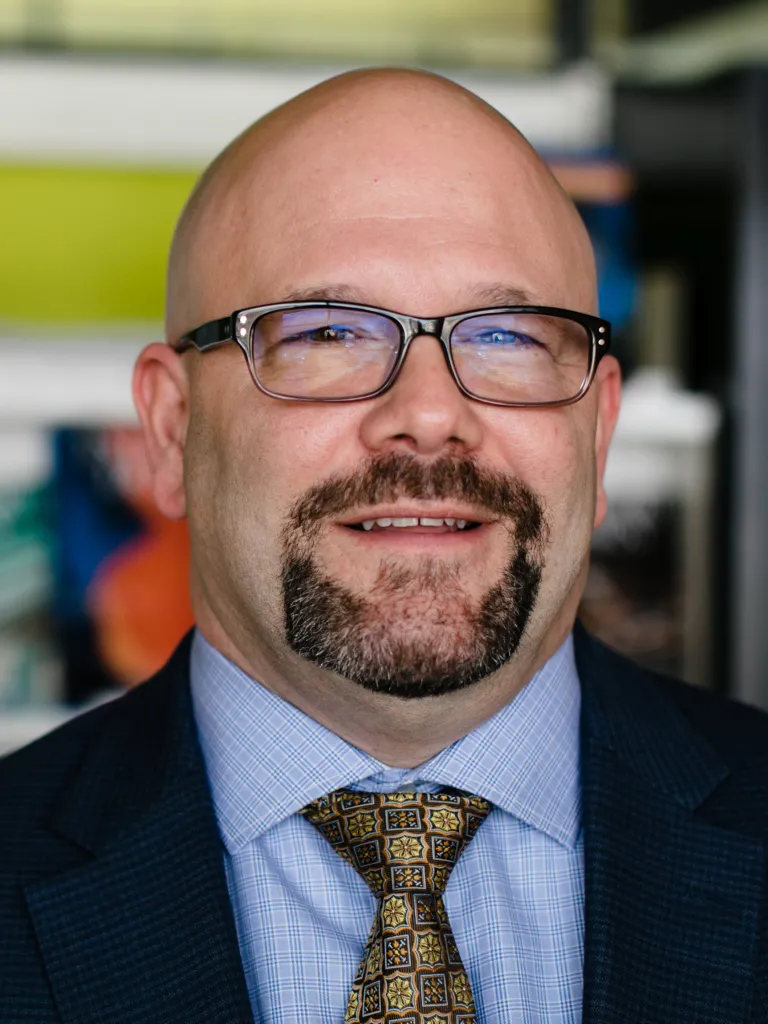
x: 369, y: 524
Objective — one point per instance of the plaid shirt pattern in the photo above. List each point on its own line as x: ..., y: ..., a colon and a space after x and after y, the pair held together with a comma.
x: 515, y: 899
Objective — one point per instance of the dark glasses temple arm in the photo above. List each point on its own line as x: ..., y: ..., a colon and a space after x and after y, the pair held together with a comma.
x: 215, y: 332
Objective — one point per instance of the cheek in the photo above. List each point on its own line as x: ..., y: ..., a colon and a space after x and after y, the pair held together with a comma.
x: 552, y: 452
x: 226, y: 468
x: 284, y: 449
x: 542, y: 447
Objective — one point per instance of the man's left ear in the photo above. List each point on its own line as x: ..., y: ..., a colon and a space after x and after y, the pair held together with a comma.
x: 607, y: 384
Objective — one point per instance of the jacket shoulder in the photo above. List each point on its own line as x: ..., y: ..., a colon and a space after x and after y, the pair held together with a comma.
x: 736, y: 731
x: 34, y: 778
x: 48, y: 762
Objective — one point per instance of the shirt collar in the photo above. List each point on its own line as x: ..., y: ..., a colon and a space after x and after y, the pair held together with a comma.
x: 266, y: 759
x: 525, y: 759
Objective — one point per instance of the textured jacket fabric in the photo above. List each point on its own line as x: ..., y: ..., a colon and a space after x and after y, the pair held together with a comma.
x: 114, y: 906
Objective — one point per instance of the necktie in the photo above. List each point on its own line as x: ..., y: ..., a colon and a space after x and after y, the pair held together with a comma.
x: 405, y: 846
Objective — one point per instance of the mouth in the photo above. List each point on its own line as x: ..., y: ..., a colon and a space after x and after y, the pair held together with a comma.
x: 407, y: 522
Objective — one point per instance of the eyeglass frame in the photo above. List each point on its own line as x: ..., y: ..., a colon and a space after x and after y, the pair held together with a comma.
x: 238, y: 327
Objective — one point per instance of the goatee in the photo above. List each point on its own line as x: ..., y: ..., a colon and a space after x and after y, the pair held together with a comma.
x: 416, y: 633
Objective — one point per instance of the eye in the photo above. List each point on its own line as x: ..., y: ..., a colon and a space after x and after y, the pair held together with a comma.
x: 500, y: 336
x: 328, y: 333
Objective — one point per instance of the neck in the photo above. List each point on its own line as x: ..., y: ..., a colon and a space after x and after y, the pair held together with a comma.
x: 399, y: 732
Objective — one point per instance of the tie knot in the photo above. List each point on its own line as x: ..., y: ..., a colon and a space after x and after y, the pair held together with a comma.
x: 399, y: 842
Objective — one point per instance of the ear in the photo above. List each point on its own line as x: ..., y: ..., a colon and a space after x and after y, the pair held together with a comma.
x: 608, y: 386
x: 161, y: 396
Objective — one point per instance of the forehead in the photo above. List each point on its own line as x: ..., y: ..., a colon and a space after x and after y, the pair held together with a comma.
x: 402, y: 210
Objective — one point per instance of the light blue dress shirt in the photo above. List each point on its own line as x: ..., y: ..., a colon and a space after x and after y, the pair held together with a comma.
x: 515, y: 899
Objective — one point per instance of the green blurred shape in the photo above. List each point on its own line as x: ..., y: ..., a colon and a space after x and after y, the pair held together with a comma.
x: 84, y: 244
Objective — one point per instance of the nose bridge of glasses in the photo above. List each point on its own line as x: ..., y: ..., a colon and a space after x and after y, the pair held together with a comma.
x: 432, y: 327
x: 428, y: 328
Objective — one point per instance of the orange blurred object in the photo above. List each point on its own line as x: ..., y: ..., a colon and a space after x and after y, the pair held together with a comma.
x: 139, y: 599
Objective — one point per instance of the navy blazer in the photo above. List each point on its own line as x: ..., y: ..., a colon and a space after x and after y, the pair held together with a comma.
x: 114, y: 905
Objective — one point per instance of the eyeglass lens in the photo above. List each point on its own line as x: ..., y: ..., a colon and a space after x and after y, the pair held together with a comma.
x: 327, y: 352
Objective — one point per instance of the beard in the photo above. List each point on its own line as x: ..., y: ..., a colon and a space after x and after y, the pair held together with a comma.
x: 416, y: 633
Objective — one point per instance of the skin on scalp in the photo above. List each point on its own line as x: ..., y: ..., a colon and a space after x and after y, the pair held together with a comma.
x: 390, y: 188
x: 258, y: 167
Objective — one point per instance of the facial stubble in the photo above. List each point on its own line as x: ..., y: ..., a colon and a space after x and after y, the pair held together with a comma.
x: 417, y: 633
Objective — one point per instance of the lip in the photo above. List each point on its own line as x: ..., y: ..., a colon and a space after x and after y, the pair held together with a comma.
x: 417, y: 539
x: 417, y: 512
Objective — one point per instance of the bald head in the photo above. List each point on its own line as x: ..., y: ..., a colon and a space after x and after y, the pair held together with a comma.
x: 409, y: 157
x: 397, y: 190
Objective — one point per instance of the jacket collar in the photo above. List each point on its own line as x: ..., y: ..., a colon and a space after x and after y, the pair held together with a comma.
x: 142, y: 928
x: 672, y: 899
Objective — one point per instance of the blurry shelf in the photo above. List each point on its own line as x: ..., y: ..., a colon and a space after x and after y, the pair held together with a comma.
x: 175, y: 114
x: 25, y: 584
x: 25, y: 455
x: 734, y: 37
x: 662, y: 445
x: 63, y: 382
x: 486, y: 32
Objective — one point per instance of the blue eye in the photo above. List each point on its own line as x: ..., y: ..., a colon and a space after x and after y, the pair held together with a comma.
x: 498, y: 336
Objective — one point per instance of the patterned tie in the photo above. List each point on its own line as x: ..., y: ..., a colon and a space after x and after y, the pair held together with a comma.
x: 405, y: 846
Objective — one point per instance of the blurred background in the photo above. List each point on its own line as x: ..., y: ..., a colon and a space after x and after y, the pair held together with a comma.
x: 653, y: 114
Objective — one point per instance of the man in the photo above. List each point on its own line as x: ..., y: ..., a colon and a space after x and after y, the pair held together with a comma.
x: 386, y: 780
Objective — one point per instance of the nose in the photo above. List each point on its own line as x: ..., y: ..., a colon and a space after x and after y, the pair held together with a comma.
x: 424, y: 412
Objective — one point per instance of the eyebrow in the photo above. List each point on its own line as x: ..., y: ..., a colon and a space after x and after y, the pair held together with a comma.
x: 325, y: 293
x: 485, y: 297
x: 507, y: 295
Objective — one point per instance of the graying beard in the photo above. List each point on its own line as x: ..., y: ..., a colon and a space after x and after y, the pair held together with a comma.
x: 335, y: 629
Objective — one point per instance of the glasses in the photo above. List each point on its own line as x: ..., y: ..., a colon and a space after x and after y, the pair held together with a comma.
x: 343, y: 352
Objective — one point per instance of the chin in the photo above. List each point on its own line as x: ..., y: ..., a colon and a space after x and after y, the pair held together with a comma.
x: 416, y: 634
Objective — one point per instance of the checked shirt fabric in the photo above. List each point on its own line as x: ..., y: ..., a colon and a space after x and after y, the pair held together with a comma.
x: 405, y: 846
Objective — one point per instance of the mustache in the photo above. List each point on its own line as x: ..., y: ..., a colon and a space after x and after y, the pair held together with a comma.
x: 386, y: 478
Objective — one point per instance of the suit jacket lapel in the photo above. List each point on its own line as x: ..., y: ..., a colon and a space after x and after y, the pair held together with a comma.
x: 142, y: 928
x: 672, y: 899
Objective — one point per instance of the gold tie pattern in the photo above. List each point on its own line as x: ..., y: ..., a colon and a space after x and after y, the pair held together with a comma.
x: 405, y: 846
